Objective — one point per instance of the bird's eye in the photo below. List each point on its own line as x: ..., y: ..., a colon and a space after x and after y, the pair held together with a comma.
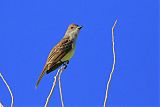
x: 72, y: 27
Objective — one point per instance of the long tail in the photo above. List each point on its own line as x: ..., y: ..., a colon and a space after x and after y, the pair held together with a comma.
x: 42, y: 74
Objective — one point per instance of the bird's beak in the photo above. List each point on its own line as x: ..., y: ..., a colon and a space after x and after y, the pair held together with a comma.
x: 79, y: 27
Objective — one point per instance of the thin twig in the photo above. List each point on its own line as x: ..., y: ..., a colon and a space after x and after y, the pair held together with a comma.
x: 113, y: 66
x: 60, y: 86
x: 8, y: 89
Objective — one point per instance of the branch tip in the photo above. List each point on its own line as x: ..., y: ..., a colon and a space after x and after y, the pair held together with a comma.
x: 113, y: 66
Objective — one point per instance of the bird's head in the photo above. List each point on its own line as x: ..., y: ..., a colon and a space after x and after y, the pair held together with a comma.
x: 73, y: 27
x: 73, y: 30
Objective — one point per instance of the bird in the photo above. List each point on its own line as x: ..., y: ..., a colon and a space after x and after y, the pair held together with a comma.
x: 62, y: 52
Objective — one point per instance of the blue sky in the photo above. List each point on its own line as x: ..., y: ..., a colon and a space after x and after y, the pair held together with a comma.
x: 30, y: 28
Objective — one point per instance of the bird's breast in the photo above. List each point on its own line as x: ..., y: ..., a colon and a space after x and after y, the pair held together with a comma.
x: 69, y: 55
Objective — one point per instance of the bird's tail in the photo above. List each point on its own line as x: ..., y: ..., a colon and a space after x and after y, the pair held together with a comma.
x: 40, y: 77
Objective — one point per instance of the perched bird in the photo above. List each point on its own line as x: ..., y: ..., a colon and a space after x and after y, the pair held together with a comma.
x: 62, y: 52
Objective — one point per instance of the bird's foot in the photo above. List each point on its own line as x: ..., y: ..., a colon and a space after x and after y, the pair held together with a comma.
x: 65, y: 64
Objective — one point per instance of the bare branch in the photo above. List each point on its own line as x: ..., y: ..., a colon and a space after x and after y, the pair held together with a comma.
x: 113, y: 66
x: 8, y: 90
x: 54, y: 83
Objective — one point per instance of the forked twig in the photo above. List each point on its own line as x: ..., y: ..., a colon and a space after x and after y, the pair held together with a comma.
x: 113, y: 66
x: 8, y: 90
x: 54, y: 83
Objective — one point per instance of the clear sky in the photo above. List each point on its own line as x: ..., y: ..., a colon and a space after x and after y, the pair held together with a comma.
x: 30, y: 28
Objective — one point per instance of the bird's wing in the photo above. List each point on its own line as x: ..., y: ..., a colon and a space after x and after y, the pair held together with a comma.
x: 57, y: 53
x: 61, y: 49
